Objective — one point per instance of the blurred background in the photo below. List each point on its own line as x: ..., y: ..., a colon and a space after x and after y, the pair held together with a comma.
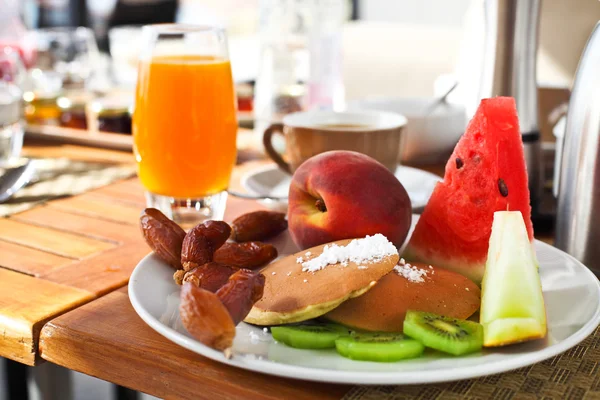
x: 409, y: 31
x: 377, y: 47
x: 77, y: 61
x: 80, y: 57
x: 357, y: 49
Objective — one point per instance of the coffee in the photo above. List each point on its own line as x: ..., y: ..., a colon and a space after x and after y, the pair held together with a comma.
x: 374, y: 133
x: 345, y: 126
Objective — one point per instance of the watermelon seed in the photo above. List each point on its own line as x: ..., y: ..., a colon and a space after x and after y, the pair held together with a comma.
x: 502, y: 187
x: 320, y: 204
x: 459, y: 163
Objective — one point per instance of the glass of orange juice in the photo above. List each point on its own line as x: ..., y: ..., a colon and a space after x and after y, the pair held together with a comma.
x: 184, y: 121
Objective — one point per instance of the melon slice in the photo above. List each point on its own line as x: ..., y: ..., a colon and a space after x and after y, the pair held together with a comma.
x: 486, y: 173
x: 512, y: 303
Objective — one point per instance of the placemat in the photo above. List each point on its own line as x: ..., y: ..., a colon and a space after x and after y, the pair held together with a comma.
x: 60, y: 177
x: 572, y: 375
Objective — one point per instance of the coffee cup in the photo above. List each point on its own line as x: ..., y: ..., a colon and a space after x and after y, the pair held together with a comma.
x: 374, y: 133
x: 430, y: 134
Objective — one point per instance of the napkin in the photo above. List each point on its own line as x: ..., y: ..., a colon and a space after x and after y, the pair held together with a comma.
x: 61, y: 177
x: 574, y: 374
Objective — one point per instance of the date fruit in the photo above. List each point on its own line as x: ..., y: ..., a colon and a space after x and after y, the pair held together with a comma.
x: 258, y: 225
x: 201, y: 242
x: 205, y: 317
x: 163, y: 236
x: 242, y: 290
x: 248, y: 255
x: 210, y: 276
x: 178, y: 276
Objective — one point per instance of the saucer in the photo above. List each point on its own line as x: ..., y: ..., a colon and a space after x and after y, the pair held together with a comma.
x: 272, y: 181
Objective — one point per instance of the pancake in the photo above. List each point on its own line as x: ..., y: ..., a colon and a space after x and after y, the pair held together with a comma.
x: 292, y: 295
x: 383, y: 308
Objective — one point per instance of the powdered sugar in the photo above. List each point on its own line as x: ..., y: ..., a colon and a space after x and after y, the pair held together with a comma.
x: 254, y: 337
x: 260, y: 336
x: 360, y: 251
x: 410, y: 272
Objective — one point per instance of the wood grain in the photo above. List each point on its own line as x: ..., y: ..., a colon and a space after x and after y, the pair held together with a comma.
x: 50, y: 240
x: 98, y: 207
x: 29, y: 261
x: 82, y: 136
x: 25, y: 304
x: 236, y: 207
x: 79, y: 224
x: 106, y: 339
x: 102, y: 273
x: 75, y: 152
x: 128, y: 193
x: 132, y: 185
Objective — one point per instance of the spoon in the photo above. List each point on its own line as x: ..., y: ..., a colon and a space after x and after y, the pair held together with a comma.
x: 440, y: 101
x: 14, y: 179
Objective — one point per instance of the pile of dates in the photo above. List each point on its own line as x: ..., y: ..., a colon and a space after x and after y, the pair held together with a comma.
x: 216, y: 265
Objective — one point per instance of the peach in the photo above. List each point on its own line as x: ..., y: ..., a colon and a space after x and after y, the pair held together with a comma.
x: 343, y: 195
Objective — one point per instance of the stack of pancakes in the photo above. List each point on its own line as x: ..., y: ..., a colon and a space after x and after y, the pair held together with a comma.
x: 371, y: 296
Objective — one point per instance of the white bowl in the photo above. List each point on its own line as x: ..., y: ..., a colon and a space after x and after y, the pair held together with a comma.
x: 427, y: 138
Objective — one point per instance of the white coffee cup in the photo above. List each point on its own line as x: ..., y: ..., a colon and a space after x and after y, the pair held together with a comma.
x: 429, y: 137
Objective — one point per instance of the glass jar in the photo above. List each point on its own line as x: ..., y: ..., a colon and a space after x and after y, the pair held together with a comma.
x: 11, y: 126
x: 117, y: 120
x: 73, y: 110
x: 111, y: 115
x: 41, y: 108
x: 245, y: 99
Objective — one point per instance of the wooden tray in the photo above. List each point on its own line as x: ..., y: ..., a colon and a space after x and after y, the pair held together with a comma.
x: 107, y: 140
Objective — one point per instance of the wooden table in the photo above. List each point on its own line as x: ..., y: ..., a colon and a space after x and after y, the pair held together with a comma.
x: 69, y: 252
x: 63, y: 297
x: 64, y: 254
x: 107, y: 339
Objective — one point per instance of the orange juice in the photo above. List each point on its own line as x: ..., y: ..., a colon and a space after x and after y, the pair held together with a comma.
x: 184, y: 125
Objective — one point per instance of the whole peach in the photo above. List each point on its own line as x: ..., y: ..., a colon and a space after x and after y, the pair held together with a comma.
x: 342, y: 195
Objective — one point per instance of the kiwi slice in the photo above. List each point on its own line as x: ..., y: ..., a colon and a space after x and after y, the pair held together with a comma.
x: 381, y: 347
x: 450, y: 335
x: 309, y: 335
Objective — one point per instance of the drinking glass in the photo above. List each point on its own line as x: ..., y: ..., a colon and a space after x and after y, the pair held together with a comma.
x: 70, y: 52
x: 12, y: 74
x: 184, y: 121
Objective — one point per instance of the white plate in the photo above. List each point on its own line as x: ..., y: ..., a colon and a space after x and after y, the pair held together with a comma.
x: 571, y: 292
x: 272, y: 181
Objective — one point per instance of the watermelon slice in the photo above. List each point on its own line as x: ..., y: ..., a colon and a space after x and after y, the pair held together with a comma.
x: 486, y: 173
